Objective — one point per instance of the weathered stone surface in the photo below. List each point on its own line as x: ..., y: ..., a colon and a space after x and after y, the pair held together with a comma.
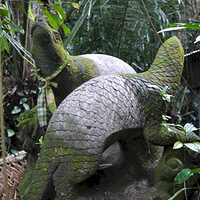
x: 126, y: 108
x: 49, y: 55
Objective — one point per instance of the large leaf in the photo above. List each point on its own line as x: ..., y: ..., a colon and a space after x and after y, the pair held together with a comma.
x: 60, y: 10
x: 183, y: 176
x: 51, y: 19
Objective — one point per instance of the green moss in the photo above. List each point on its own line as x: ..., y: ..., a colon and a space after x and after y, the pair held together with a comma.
x: 28, y: 118
x: 83, y: 68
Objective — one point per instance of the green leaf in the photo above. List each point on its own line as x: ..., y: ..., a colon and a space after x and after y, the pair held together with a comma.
x: 16, y: 110
x: 10, y: 132
x: 65, y: 29
x: 23, y: 100
x: 190, y: 26
x: 14, y: 152
x: 16, y: 28
x: 4, y: 44
x: 22, y: 9
x: 58, y: 18
x: 26, y: 106
x: 195, y: 146
x: 51, y: 19
x: 60, y: 10
x: 183, y: 176
x: 197, y: 170
x: 54, y: 84
x: 189, y: 128
x: 3, y: 11
x: 177, y: 145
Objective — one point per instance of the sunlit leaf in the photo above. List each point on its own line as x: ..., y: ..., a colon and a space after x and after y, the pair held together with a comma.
x: 182, y: 176
x: 10, y: 132
x: 76, y: 5
x: 177, y: 145
x: 30, y: 14
x: 195, y: 146
x: 65, y: 29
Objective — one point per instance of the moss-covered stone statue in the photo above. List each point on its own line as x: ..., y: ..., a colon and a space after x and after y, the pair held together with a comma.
x: 127, y: 108
x: 68, y: 72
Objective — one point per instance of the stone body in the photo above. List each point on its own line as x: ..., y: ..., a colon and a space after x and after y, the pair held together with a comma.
x: 126, y: 108
x: 49, y: 55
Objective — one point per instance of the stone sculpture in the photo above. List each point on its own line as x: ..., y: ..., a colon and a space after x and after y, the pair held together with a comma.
x: 68, y: 72
x: 126, y: 108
